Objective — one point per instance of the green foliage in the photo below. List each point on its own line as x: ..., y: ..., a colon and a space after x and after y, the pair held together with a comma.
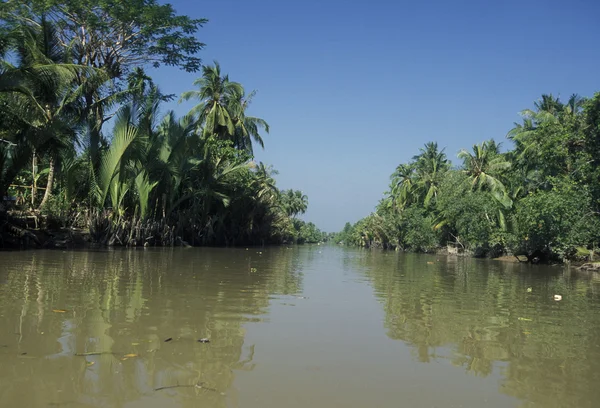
x: 554, y: 222
x: 418, y: 232
x: 293, y: 202
x: 473, y: 219
x: 58, y: 212
x: 541, y: 199
x: 221, y: 110
x: 131, y: 33
x: 308, y: 232
x: 151, y: 179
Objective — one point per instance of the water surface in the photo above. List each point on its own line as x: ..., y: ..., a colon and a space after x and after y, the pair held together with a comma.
x: 313, y: 326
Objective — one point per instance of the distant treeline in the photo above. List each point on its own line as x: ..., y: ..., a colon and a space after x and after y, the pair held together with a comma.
x: 540, y: 200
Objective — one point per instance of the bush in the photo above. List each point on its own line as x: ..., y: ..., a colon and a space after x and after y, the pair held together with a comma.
x: 418, y: 232
x: 553, y: 223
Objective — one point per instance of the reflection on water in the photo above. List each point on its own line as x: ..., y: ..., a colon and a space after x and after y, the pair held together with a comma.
x: 294, y: 327
x: 486, y: 315
x: 125, y: 304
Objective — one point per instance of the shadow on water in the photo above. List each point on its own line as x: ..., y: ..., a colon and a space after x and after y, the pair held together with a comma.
x: 117, y: 308
x: 485, y: 316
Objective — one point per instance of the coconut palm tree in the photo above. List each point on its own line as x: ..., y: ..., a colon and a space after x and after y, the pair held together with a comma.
x: 215, y: 93
x: 264, y: 182
x: 485, y: 166
x: 301, y: 201
x: 294, y: 202
x: 247, y: 128
x: 222, y: 110
x: 403, y: 185
x: 42, y: 94
x: 483, y: 163
x: 430, y: 166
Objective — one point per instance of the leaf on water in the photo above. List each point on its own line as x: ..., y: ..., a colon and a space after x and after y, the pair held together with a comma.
x: 169, y: 339
x: 59, y: 310
x: 130, y: 355
x: 90, y: 363
x: 529, y: 290
x: 525, y: 319
x: 135, y: 344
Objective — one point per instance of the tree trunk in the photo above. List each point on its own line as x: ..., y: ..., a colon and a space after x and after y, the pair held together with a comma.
x: 49, y: 185
x: 34, y: 168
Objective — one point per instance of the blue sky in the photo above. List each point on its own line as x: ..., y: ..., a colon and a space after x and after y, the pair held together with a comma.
x: 352, y: 90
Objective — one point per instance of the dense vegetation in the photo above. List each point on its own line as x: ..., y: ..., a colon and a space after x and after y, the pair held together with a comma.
x: 539, y: 199
x: 83, y: 142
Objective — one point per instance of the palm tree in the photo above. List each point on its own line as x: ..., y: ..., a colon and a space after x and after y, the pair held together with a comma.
x: 215, y: 93
x: 430, y: 167
x: 484, y: 167
x: 301, y: 201
x: 294, y: 202
x: 574, y: 105
x: 264, y: 182
x: 483, y: 164
x: 403, y: 185
x: 246, y: 127
x: 549, y: 136
x: 42, y: 94
x: 222, y: 110
x: 549, y: 104
x: 546, y: 111
x: 168, y: 159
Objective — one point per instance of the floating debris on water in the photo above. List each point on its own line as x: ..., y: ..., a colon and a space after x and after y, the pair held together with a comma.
x: 197, y: 385
x: 205, y: 340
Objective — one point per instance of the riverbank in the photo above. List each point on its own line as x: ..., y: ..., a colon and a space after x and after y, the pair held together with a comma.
x: 93, y: 229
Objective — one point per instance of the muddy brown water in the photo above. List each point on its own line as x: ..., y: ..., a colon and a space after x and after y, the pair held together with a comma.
x: 312, y: 326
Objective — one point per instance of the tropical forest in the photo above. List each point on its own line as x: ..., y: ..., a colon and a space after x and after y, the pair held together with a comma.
x: 157, y: 247
x: 85, y: 145
x: 537, y: 199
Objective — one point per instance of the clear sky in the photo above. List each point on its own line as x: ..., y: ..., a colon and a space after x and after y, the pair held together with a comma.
x: 352, y: 89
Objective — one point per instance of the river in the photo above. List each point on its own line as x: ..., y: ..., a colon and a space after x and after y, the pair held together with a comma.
x: 309, y: 326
